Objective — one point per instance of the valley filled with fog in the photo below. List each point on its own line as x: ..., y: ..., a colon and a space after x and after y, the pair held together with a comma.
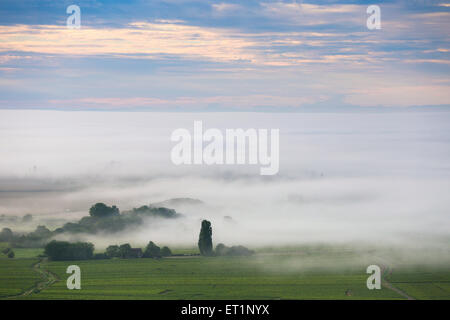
x: 375, y: 178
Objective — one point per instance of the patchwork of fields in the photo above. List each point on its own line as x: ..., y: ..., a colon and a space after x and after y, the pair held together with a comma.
x: 204, y: 278
x: 16, y: 276
x: 263, y: 276
x: 423, y: 284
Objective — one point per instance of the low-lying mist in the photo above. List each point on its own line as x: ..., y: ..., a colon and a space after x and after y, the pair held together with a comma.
x: 377, y: 179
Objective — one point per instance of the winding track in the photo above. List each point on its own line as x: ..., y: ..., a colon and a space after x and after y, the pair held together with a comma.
x: 386, y: 270
x: 47, y: 279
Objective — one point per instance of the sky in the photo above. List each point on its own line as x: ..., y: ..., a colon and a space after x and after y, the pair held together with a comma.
x: 199, y: 55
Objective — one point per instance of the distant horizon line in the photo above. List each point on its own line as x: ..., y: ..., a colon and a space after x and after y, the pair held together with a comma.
x: 309, y: 109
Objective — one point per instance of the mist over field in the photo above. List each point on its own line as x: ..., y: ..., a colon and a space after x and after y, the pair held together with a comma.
x: 376, y: 178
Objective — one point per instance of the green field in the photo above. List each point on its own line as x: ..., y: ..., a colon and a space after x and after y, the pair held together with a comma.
x: 16, y: 276
x: 423, y: 284
x: 300, y: 273
x: 203, y: 278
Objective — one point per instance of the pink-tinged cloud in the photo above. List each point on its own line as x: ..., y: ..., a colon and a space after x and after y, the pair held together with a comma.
x: 138, y: 38
x: 162, y: 39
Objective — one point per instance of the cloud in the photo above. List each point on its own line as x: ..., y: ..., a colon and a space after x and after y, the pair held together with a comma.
x: 139, y: 38
x: 246, y: 101
x: 400, y: 96
x: 166, y: 39
x: 226, y: 7
x: 225, y: 54
x: 312, y: 14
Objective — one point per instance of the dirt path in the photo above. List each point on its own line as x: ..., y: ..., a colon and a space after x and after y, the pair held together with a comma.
x: 385, y: 271
x: 47, y: 279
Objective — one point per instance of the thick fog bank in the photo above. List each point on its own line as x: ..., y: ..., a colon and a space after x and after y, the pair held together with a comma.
x: 377, y: 178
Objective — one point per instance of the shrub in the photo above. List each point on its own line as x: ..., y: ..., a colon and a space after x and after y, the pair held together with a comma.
x: 101, y: 256
x: 221, y: 249
x: 239, y: 251
x: 165, y: 252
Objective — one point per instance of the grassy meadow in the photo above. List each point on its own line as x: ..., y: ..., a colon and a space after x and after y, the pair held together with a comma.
x: 318, y: 272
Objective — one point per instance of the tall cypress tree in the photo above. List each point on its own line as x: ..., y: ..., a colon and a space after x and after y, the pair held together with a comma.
x: 205, y: 239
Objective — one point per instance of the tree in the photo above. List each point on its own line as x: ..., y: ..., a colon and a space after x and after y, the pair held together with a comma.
x: 125, y: 251
x: 113, y: 251
x: 165, y: 252
x: 11, y: 254
x: 41, y: 232
x: 152, y: 251
x: 101, y: 210
x: 6, y: 235
x: 205, y: 239
x: 221, y: 249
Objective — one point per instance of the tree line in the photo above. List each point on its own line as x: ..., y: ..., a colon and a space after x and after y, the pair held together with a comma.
x: 63, y: 250
x: 102, y: 218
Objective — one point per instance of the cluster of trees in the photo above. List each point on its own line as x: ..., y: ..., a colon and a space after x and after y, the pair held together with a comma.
x: 223, y: 250
x: 125, y: 251
x: 153, y: 251
x: 63, y: 250
x: 6, y: 235
x: 102, y: 218
x: 205, y: 244
x: 101, y: 210
x: 36, y: 239
x: 154, y: 212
